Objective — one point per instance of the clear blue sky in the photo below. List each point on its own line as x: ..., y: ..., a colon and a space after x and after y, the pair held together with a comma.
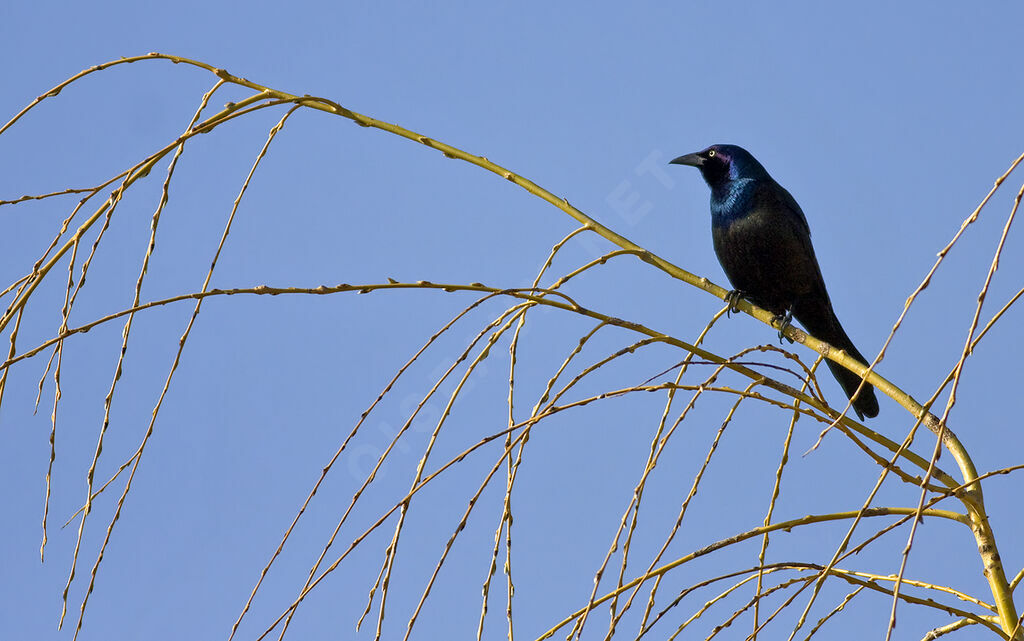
x: 888, y: 126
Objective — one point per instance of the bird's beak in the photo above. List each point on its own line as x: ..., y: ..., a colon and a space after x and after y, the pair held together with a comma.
x: 693, y: 160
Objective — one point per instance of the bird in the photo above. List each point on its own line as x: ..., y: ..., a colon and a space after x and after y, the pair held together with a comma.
x: 763, y: 241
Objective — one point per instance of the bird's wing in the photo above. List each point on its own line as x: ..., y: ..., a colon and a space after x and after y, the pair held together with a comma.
x: 786, y: 199
x: 797, y: 262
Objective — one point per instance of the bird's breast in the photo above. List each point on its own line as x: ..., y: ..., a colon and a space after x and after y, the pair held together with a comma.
x: 732, y: 202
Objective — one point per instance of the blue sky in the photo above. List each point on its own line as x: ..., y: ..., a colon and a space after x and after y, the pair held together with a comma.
x: 888, y: 126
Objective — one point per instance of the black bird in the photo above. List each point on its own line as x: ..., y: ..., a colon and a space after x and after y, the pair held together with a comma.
x: 764, y: 244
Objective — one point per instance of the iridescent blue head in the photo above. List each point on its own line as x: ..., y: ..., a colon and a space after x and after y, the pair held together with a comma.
x: 721, y: 164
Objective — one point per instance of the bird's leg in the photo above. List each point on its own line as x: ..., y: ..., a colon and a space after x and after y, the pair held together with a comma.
x: 732, y: 299
x: 784, y: 321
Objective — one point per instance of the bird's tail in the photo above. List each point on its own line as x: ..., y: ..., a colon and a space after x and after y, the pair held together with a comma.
x: 824, y: 325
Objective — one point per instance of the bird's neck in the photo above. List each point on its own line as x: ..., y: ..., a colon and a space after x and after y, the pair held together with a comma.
x: 730, y: 199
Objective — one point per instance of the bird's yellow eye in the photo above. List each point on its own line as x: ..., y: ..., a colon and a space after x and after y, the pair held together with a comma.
x: 711, y: 153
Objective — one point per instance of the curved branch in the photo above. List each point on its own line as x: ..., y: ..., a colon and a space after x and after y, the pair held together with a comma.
x: 537, y: 295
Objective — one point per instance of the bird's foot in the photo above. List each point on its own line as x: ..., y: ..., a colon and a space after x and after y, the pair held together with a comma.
x: 784, y: 321
x: 733, y: 299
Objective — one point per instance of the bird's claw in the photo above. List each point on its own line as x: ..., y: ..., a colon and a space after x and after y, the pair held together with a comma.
x: 733, y: 299
x: 784, y: 321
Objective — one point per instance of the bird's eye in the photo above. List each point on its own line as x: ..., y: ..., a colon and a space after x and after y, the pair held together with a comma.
x: 711, y: 153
